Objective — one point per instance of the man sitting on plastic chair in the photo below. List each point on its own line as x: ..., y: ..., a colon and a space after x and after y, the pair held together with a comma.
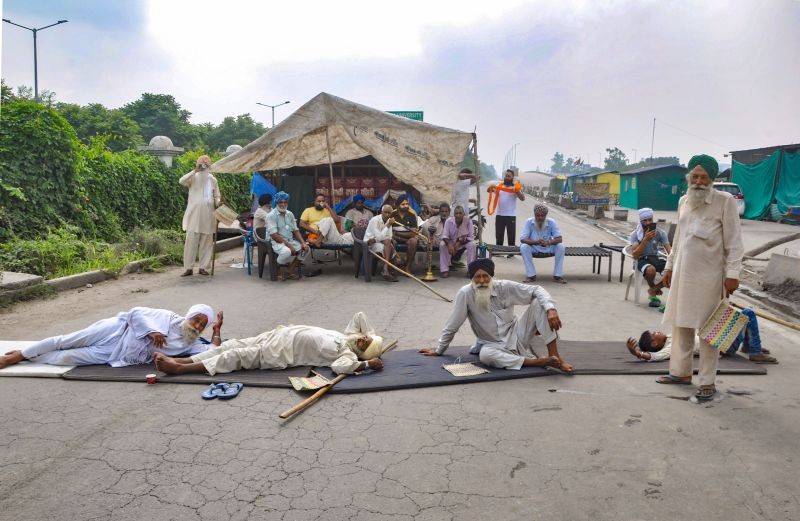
x: 645, y: 241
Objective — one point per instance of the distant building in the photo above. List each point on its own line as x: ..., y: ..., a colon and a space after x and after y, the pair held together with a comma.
x: 656, y: 187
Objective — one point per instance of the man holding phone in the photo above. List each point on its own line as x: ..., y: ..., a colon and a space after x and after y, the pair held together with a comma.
x: 645, y: 241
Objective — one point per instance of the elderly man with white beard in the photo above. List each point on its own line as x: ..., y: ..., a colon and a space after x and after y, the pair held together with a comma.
x: 355, y: 349
x: 132, y: 337
x: 503, y: 340
x: 198, y: 220
x: 702, y: 267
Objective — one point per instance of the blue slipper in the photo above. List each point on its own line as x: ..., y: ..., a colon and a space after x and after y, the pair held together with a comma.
x: 214, y: 390
x: 231, y: 391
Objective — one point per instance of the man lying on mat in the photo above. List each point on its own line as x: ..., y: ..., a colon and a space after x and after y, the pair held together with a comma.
x: 503, y: 340
x: 655, y: 346
x: 131, y: 337
x: 357, y: 349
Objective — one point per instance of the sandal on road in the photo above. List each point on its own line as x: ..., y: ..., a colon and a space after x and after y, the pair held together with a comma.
x: 763, y: 359
x: 214, y: 391
x: 705, y: 393
x: 231, y: 391
x: 674, y: 380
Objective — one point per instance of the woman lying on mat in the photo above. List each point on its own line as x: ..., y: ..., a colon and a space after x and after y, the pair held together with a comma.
x: 655, y: 346
x: 357, y: 349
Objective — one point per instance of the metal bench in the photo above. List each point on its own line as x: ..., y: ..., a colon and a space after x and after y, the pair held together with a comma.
x: 595, y: 252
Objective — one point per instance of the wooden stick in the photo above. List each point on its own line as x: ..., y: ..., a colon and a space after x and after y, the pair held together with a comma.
x: 313, y: 398
x: 317, y: 395
x: 477, y: 187
x: 405, y: 273
x: 214, y: 247
x: 330, y: 167
x: 768, y: 316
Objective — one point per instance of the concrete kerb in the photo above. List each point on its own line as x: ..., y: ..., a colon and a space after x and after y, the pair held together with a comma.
x: 93, y: 277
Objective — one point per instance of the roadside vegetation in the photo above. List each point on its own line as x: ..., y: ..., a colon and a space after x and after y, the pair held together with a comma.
x: 69, y: 205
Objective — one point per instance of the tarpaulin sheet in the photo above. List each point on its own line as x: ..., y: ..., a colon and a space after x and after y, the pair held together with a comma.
x: 425, y: 156
x: 788, y: 192
x: 757, y: 183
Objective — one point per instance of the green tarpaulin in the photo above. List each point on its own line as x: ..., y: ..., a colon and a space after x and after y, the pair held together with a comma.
x: 788, y: 192
x: 757, y: 183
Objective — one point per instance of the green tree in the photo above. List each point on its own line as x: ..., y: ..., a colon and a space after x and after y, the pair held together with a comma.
x: 655, y: 161
x: 615, y: 159
x: 161, y: 115
x: 90, y: 121
x: 240, y: 130
x: 558, y: 163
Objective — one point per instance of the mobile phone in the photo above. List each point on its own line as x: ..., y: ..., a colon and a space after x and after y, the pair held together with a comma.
x: 650, y: 227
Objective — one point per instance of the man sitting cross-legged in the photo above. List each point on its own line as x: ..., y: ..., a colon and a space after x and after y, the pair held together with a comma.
x: 132, y: 337
x: 405, y: 229
x: 286, y: 240
x: 356, y: 349
x: 322, y: 224
x: 457, y: 237
x: 378, y: 237
x: 503, y: 340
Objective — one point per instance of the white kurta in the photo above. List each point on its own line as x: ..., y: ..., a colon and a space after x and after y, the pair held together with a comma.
x: 502, y: 339
x: 707, y: 249
x: 118, y: 341
x: 288, y: 346
x: 204, y: 196
x: 377, y: 230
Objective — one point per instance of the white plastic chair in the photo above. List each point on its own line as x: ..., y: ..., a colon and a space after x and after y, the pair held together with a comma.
x: 636, y: 275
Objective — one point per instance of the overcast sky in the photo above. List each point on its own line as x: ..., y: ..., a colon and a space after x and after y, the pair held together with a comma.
x: 569, y: 76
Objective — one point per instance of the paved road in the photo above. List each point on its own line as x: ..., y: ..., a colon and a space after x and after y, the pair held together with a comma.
x: 554, y: 448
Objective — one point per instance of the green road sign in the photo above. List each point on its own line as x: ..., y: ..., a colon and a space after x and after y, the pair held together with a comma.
x: 410, y: 114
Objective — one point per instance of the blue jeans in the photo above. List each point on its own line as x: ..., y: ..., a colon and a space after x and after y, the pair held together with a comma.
x: 749, y: 335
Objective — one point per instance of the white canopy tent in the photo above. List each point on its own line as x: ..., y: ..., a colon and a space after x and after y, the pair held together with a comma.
x: 328, y: 129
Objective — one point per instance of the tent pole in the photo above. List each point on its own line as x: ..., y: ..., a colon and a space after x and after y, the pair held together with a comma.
x: 478, y: 187
x: 330, y: 165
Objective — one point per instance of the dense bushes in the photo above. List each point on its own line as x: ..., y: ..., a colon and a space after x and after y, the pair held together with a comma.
x: 48, y: 180
x: 63, y: 252
x: 38, y: 156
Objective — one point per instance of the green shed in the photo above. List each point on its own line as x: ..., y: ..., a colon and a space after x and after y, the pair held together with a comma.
x: 656, y: 187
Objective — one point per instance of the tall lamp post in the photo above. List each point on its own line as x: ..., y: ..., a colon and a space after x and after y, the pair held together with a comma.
x: 35, y: 30
x: 273, y: 108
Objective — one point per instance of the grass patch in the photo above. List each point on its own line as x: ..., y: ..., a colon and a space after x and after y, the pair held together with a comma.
x: 64, y: 253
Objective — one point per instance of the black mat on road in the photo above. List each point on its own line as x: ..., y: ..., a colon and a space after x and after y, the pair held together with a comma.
x: 136, y: 373
x: 407, y: 369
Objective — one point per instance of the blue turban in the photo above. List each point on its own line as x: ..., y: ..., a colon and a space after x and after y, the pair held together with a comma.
x: 359, y: 197
x: 708, y: 163
x: 281, y: 196
x: 402, y: 198
x: 480, y: 264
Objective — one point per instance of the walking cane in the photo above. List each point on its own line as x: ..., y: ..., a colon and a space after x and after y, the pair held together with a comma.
x: 214, y: 247
x: 317, y: 395
x: 408, y: 275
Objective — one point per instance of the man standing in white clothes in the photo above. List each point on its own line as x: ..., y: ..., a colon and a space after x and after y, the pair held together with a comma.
x: 198, y: 220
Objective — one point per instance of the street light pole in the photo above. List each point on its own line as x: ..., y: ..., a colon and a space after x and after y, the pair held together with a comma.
x: 35, y: 30
x: 272, y: 107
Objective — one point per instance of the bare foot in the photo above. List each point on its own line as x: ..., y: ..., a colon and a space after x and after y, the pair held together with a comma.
x: 541, y: 362
x: 566, y: 366
x: 168, y: 365
x: 11, y: 358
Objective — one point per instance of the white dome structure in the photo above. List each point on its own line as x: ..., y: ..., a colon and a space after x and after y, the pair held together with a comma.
x: 231, y: 149
x: 162, y: 147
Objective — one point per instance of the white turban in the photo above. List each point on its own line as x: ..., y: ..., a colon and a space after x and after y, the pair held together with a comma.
x: 373, y: 350
x: 201, y: 309
x: 644, y: 213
